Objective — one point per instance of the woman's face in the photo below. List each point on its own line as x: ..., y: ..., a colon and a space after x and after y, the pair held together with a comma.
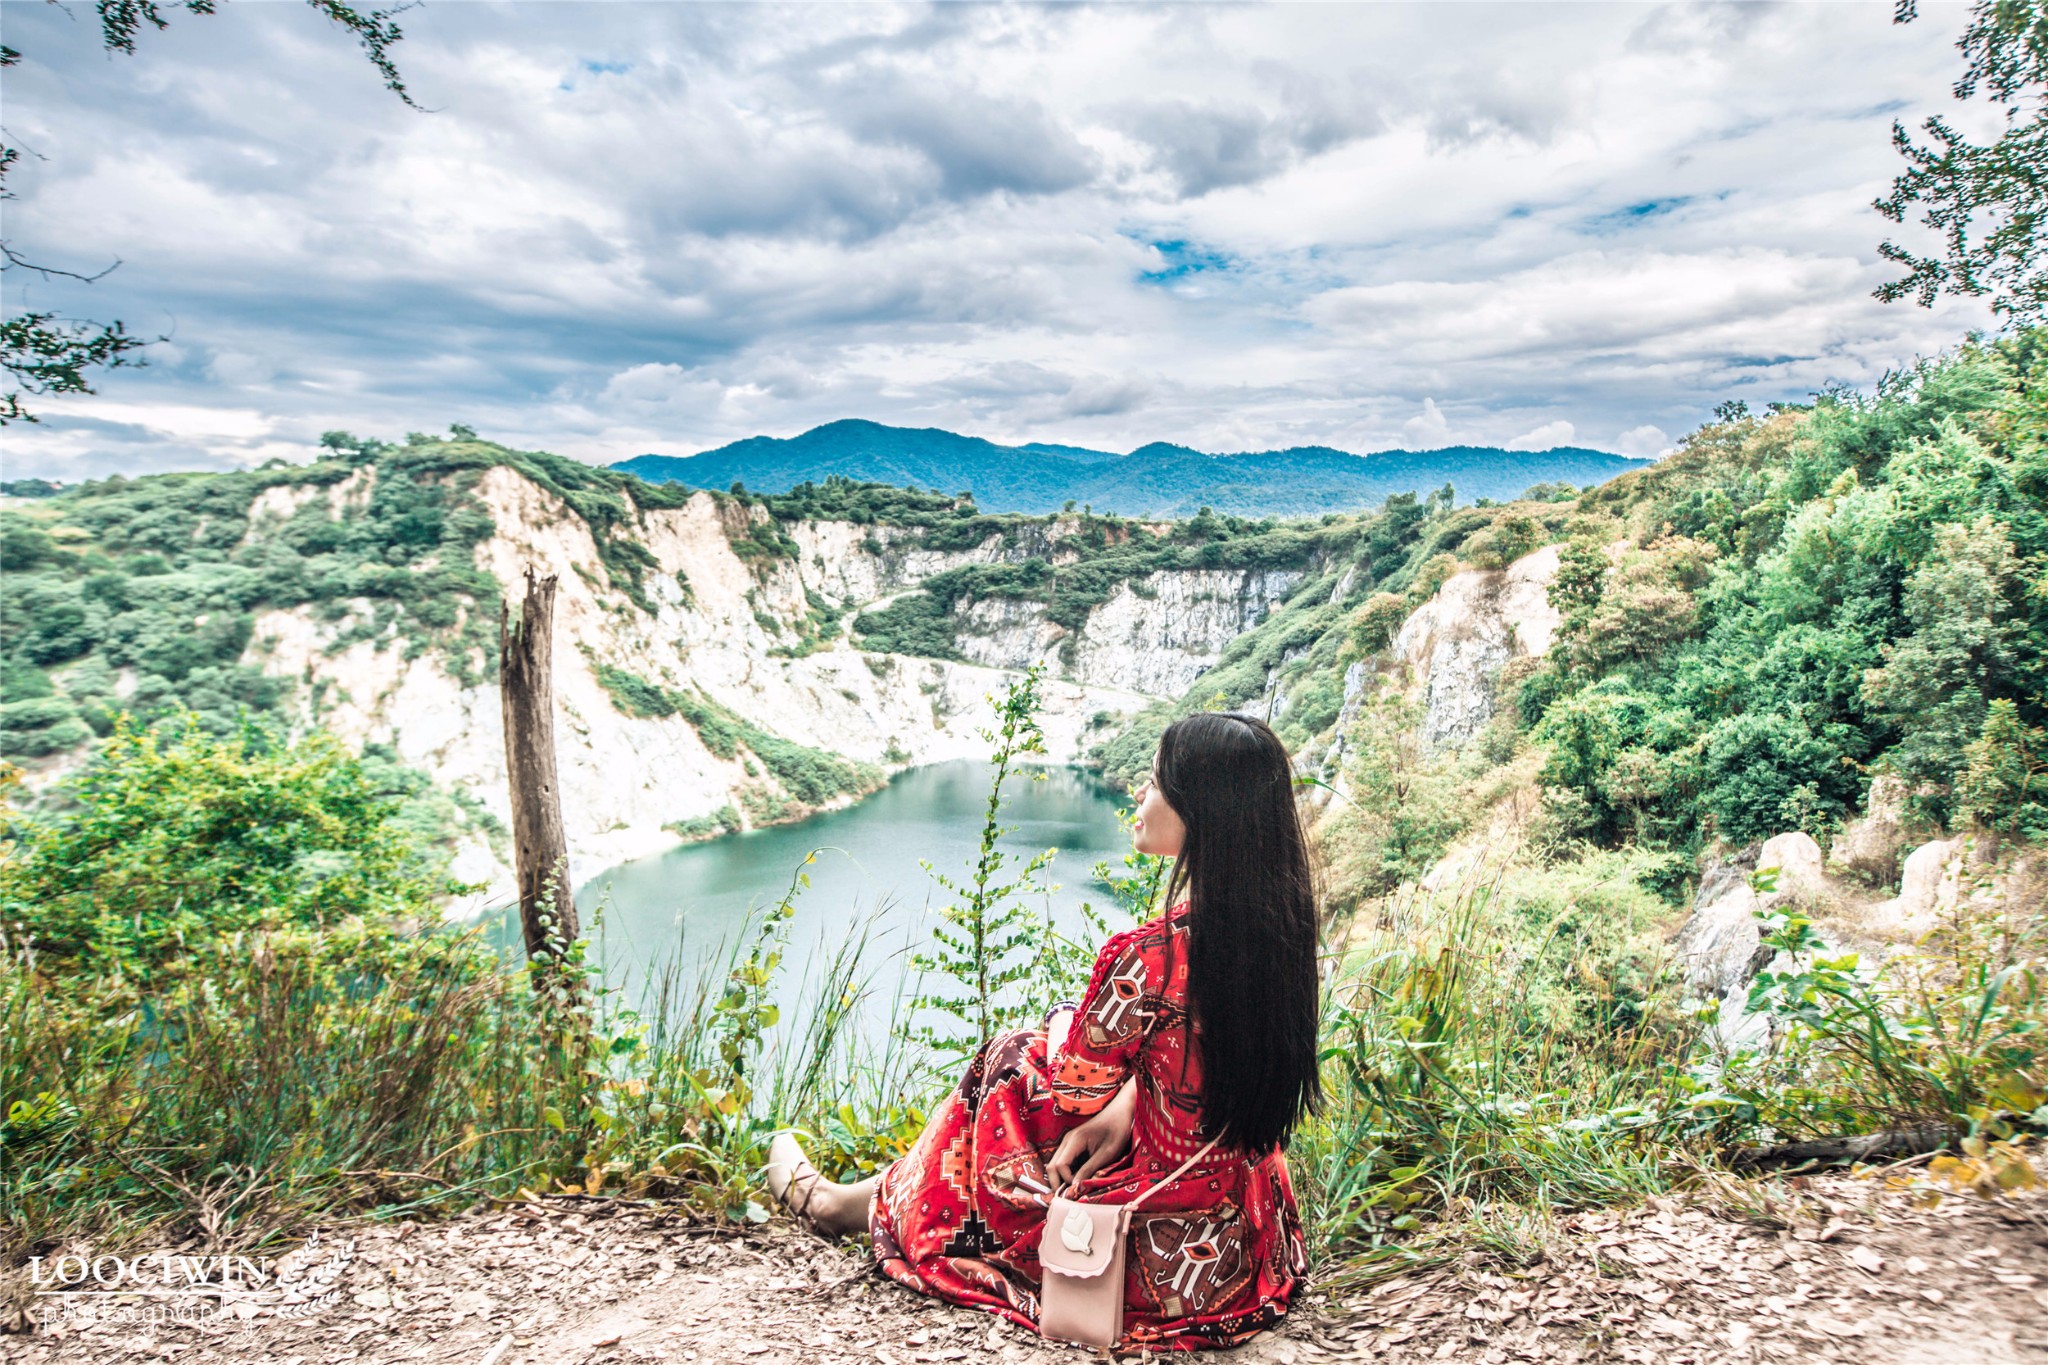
x: 1157, y: 829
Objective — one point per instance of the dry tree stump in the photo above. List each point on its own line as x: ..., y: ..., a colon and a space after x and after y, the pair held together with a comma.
x: 547, y: 904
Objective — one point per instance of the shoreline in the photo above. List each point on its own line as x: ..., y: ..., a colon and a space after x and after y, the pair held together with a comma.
x: 624, y: 847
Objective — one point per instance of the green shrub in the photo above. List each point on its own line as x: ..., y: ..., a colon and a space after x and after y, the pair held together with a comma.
x: 1505, y: 541
x: 635, y: 695
x: 25, y: 545
x: 724, y: 820
x: 20, y: 680
x: 43, y: 741
x: 34, y: 713
x: 1372, y: 627
x: 2005, y: 785
x: 182, y: 837
x: 917, y: 624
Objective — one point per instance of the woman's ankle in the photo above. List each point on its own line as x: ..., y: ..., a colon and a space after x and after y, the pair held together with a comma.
x: 841, y: 1209
x: 829, y: 1209
x: 854, y: 1203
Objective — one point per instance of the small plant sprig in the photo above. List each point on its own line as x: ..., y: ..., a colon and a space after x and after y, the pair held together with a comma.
x: 986, y: 939
x: 744, y: 1013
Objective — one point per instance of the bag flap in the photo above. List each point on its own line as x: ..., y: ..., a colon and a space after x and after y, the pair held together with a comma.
x: 1079, y: 1238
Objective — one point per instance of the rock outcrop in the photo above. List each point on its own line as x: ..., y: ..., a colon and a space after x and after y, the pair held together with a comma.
x: 1720, y: 948
x: 1455, y: 644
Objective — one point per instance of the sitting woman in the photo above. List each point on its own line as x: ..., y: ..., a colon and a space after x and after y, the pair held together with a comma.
x: 1198, y: 1025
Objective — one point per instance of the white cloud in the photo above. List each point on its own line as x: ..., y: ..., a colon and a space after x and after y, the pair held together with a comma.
x: 1544, y: 437
x: 238, y: 368
x: 1643, y: 440
x: 667, y: 226
x: 1427, y: 429
x: 658, y: 385
x: 1654, y: 305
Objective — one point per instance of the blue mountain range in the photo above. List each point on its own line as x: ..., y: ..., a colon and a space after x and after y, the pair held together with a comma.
x: 1156, y: 480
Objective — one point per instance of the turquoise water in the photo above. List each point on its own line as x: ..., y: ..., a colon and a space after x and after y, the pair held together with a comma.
x: 684, y: 905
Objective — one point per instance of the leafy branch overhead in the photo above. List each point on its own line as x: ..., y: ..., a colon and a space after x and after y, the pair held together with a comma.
x: 44, y: 352
x: 121, y: 22
x: 1988, y: 201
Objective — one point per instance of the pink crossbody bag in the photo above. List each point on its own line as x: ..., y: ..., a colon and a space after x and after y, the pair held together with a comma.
x: 1081, y: 1293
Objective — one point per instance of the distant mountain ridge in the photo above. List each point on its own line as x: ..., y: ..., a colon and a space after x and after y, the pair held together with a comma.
x: 1158, y: 479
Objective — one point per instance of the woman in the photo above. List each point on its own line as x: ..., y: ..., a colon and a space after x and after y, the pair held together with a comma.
x: 1199, y: 1024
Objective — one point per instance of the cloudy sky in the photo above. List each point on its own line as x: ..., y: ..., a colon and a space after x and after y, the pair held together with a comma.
x: 623, y: 228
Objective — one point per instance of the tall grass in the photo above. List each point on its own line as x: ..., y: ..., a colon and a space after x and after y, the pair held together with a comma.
x: 1463, y: 1093
x: 281, y: 1074
x: 288, y: 1075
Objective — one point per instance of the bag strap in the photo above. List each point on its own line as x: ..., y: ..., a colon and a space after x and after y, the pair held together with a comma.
x: 1185, y: 1167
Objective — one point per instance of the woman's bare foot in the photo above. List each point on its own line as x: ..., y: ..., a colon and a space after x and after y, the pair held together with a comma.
x: 834, y: 1210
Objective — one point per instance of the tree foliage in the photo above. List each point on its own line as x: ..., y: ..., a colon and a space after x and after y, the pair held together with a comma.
x: 1849, y: 588
x: 1988, y: 201
x: 184, y: 836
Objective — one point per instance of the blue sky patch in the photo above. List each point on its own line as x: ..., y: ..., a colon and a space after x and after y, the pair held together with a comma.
x: 596, y: 68
x: 1635, y: 215
x: 1184, y: 259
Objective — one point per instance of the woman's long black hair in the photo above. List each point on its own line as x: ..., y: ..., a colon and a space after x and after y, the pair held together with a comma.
x: 1252, y: 982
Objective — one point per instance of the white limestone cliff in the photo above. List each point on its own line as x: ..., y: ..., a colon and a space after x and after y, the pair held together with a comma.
x: 1455, y: 644
x: 730, y: 629
x: 1154, y: 635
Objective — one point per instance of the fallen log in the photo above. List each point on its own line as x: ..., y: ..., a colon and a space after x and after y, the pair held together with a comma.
x: 1891, y: 1145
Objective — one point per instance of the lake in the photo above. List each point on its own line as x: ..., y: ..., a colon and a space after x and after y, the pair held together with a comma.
x: 684, y: 905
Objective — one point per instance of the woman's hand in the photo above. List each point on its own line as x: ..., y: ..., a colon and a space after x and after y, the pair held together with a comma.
x: 1095, y: 1142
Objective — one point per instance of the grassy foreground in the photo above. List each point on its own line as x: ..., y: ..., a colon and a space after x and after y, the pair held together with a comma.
x: 230, y: 1007
x: 1497, y: 1051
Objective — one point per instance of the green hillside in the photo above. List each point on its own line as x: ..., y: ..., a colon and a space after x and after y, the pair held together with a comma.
x: 159, y: 577
x: 1797, y: 602
x: 139, y: 596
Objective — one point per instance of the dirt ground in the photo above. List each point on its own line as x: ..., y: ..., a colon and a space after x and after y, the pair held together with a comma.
x: 1853, y: 1272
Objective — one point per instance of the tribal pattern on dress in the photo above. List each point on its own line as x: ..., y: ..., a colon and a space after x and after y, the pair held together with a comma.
x: 1214, y: 1258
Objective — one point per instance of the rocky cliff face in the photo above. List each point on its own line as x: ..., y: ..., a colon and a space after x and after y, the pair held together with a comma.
x: 1154, y: 635
x: 742, y: 633
x: 1455, y: 645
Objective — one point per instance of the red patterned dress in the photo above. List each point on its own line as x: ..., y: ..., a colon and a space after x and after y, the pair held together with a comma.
x: 1214, y: 1257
